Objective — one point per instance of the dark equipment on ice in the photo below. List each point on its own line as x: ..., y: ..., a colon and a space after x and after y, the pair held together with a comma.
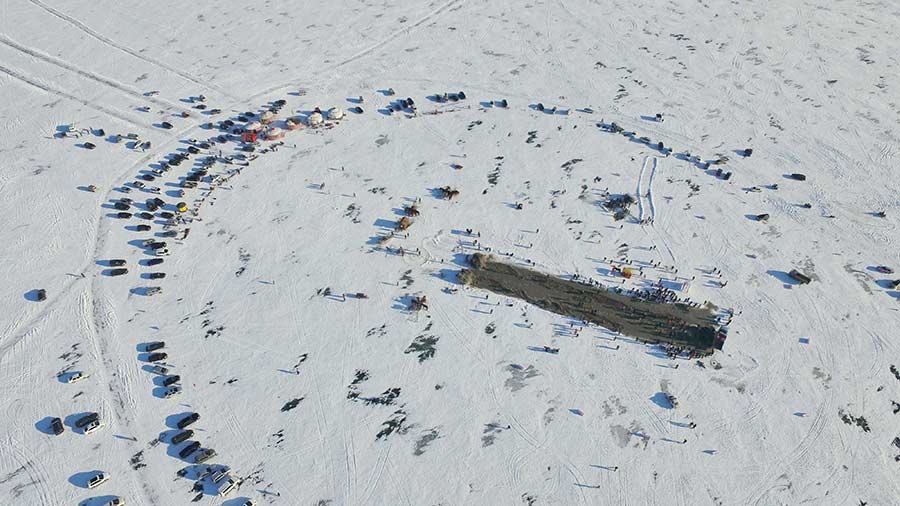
x: 797, y: 176
x: 762, y: 217
x: 799, y: 277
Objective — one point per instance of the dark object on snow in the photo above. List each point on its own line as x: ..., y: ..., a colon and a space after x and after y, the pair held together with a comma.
x: 154, y: 261
x: 659, y: 117
x: 145, y: 216
x: 762, y: 217
x: 660, y: 146
x: 797, y: 176
x: 193, y: 150
x: 167, y: 215
x: 502, y: 103
x: 181, y: 436
x: 170, y: 380
x: 142, y: 228
x: 461, y: 95
x: 884, y: 269
x: 157, y: 357
x: 799, y: 277
x: 189, y: 419
x: 189, y: 449
x: 56, y: 426
x: 806, y: 206
x: 550, y: 350
x: 356, y: 110
x: 166, y: 125
x: 894, y: 284
x: 116, y: 262
x: 86, y: 419
x: 540, y: 107
x: 151, y: 206
x: 157, y: 245
x: 41, y: 295
x: 155, y: 345
x: 123, y: 216
x: 118, y: 272
x: 156, y: 275
x: 726, y: 176
x: 147, y: 177
x: 204, y: 455
x: 747, y: 152
x: 121, y: 206
x: 89, y: 145
x: 159, y: 202
x: 880, y: 214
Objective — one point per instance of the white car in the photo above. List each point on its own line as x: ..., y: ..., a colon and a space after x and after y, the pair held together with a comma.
x: 228, y: 487
x: 75, y: 377
x: 115, y: 501
x: 97, y: 480
x: 93, y: 427
x: 172, y: 391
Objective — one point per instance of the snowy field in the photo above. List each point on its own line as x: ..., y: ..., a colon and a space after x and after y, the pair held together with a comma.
x: 313, y: 396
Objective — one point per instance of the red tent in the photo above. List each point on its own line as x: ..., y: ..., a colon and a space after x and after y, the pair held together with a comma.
x: 249, y: 137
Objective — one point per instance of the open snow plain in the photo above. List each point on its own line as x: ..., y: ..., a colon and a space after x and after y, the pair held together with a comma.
x: 319, y: 397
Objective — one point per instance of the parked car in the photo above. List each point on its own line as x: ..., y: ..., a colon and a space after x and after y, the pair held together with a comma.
x: 118, y: 272
x: 115, y: 501
x: 156, y: 357
x: 56, y: 426
x: 156, y: 275
x: 97, y: 480
x: 161, y: 252
x: 142, y: 227
x: 204, y: 455
x: 117, y: 262
x: 75, y: 377
x: 171, y: 380
x: 144, y: 215
x: 189, y: 449
x: 219, y: 475
x: 172, y: 391
x: 154, y: 345
x: 181, y: 437
x: 158, y: 369
x: 187, y: 420
x: 228, y: 487
x: 93, y: 427
x: 86, y: 419
x: 121, y: 206
x: 154, y: 261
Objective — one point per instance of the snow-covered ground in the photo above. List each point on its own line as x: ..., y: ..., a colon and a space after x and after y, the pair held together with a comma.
x: 450, y: 406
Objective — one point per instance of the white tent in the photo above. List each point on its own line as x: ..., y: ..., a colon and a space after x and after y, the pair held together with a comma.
x: 335, y: 113
x: 267, y: 117
x: 315, y: 119
x: 274, y: 133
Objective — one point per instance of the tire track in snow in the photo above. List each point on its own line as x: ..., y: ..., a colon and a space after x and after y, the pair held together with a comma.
x: 87, y: 74
x: 111, y: 43
x: 63, y: 94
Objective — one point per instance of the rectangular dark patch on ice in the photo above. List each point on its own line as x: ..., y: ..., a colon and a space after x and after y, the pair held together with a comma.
x: 679, y: 324
x: 291, y: 404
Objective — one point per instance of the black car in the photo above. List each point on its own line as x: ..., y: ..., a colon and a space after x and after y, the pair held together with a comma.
x: 123, y: 216
x: 121, y: 206
x: 142, y: 228
x: 187, y: 420
x: 56, y: 426
x: 156, y: 357
x: 157, y: 245
x: 167, y: 215
x: 86, y: 419
x: 116, y: 262
x: 189, y: 449
x: 156, y: 275
x: 145, y: 215
x: 155, y: 345
x: 147, y: 177
x: 181, y: 437
x: 154, y: 261
x: 159, y: 202
x: 170, y: 380
x: 151, y: 206
x: 118, y: 272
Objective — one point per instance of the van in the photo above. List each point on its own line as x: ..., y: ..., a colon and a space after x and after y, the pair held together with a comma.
x: 189, y: 449
x: 86, y: 419
x: 181, y: 437
x: 187, y: 420
x: 155, y: 345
